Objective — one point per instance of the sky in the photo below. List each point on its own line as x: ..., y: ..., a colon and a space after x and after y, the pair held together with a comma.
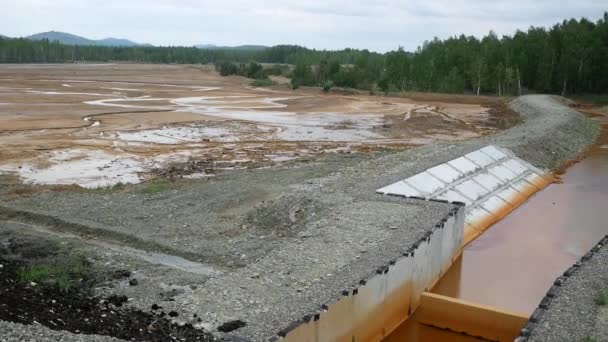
x: 377, y: 25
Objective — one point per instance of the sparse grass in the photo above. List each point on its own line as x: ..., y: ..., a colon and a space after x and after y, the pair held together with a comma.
x: 588, y: 339
x: 63, y: 273
x: 263, y: 82
x: 601, y: 298
x: 111, y: 188
x: 154, y: 188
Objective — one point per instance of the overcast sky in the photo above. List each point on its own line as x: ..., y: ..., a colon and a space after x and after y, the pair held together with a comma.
x: 378, y: 25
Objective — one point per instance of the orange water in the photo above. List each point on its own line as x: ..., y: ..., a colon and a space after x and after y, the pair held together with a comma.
x: 512, y: 265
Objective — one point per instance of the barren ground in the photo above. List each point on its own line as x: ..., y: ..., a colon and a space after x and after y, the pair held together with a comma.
x: 101, y: 124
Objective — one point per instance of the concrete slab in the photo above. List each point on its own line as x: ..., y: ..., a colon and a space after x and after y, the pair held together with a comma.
x: 487, y: 180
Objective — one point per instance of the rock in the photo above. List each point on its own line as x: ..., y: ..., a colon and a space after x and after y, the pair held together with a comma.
x: 133, y: 282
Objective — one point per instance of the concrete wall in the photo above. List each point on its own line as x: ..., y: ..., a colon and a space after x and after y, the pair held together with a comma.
x: 382, y: 302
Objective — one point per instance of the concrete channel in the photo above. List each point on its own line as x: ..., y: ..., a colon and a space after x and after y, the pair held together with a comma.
x: 509, y: 269
x: 461, y: 283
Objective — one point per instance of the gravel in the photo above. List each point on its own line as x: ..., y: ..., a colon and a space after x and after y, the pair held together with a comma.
x: 573, y: 314
x: 14, y: 332
x: 291, y: 238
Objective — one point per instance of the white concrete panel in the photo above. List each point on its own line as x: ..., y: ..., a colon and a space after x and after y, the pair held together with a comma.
x: 508, y: 194
x: 494, y: 152
x: 488, y: 181
x: 515, y: 166
x: 426, y: 183
x: 472, y: 190
x: 454, y: 196
x: 446, y: 173
x: 494, y: 204
x: 522, y: 186
x: 485, y: 180
x: 463, y: 165
x: 502, y: 173
x: 479, y: 158
x: 400, y: 188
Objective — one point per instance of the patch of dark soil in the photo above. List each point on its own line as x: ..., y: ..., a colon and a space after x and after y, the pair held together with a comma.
x: 78, y: 312
x: 502, y: 117
x: 231, y: 326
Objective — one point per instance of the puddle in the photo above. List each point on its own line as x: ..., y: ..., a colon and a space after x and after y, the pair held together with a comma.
x: 179, y: 263
x: 172, y: 261
x: 63, y: 93
x: 86, y: 168
x: 179, y: 135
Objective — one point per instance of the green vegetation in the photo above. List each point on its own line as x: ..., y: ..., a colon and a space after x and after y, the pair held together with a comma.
x: 154, y: 188
x: 601, y: 298
x: 62, y: 272
x: 588, y: 339
x: 265, y: 82
x: 569, y: 58
x: 109, y: 189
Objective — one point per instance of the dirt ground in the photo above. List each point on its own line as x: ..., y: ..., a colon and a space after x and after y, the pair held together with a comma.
x: 102, y: 124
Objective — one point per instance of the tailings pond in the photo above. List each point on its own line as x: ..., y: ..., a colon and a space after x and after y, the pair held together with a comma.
x: 512, y: 265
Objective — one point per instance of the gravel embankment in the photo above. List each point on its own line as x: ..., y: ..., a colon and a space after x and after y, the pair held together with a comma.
x: 570, y: 312
x: 291, y: 238
x: 14, y: 332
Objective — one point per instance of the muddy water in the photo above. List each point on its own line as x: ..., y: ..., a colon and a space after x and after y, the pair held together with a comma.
x: 512, y: 265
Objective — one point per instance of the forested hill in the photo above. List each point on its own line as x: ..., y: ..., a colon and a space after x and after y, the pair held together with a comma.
x: 71, y: 39
x: 570, y: 57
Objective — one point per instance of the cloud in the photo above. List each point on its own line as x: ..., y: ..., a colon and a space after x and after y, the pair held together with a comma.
x: 379, y: 25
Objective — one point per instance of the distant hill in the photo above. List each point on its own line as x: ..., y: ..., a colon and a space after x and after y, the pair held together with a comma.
x: 72, y: 39
x: 239, y: 47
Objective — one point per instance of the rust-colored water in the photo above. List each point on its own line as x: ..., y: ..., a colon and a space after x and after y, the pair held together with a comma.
x: 512, y: 265
x: 411, y: 330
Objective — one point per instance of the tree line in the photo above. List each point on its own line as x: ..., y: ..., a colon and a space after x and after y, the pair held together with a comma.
x: 569, y: 57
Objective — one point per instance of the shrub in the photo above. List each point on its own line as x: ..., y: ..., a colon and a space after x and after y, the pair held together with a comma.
x: 263, y: 82
x: 601, y: 298
x: 327, y: 86
x: 294, y: 84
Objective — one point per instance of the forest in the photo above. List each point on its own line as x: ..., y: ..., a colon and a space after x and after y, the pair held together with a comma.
x: 570, y: 57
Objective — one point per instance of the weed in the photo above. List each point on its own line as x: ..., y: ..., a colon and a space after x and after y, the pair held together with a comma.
x: 110, y: 188
x: 601, y: 298
x: 63, y: 273
x: 262, y: 82
x: 588, y: 339
x: 154, y: 188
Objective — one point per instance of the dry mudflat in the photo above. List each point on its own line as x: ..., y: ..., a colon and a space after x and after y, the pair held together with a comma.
x: 100, y: 124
